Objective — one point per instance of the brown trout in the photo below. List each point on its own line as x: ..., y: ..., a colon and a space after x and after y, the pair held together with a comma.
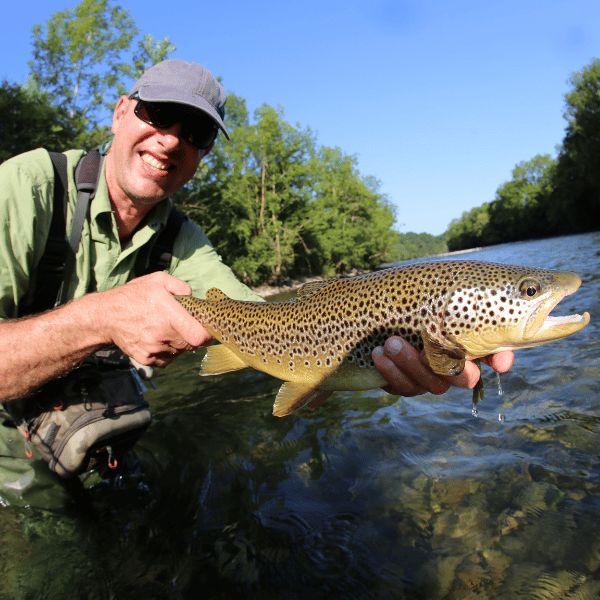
x: 322, y: 340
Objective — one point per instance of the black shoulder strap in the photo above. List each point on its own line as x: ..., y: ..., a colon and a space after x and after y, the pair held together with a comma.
x: 162, y: 251
x: 61, y: 192
x: 87, y: 175
x: 52, y: 264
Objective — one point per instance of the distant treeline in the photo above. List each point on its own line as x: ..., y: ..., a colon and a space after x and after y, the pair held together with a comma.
x: 546, y: 197
x: 414, y: 245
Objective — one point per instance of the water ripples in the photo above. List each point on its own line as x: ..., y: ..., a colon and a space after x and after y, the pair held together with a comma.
x: 369, y: 496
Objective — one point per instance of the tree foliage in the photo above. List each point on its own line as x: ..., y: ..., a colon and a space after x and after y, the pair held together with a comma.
x: 415, y: 245
x: 78, y: 60
x: 576, y: 198
x: 349, y: 217
x: 28, y: 120
x: 516, y: 213
x: 275, y: 205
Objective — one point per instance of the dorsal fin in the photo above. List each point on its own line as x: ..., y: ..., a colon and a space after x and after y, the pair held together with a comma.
x: 308, y: 289
x: 216, y: 295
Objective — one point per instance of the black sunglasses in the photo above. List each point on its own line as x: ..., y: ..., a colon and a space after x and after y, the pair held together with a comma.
x: 196, y: 129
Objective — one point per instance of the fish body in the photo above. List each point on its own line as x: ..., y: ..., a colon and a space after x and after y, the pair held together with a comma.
x: 322, y: 340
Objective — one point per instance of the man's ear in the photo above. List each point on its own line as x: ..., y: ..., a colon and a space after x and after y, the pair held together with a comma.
x: 119, y: 112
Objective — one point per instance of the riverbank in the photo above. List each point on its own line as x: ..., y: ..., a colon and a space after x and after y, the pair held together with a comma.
x: 291, y: 285
x: 287, y: 286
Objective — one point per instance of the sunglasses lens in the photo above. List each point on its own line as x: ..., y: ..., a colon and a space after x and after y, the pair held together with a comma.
x: 159, y: 116
x: 199, y: 135
x: 198, y: 131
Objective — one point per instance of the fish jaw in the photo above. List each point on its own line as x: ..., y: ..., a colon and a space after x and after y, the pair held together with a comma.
x: 536, y: 327
x: 540, y: 328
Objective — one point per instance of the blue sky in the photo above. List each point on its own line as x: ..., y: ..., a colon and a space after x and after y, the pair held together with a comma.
x: 439, y: 100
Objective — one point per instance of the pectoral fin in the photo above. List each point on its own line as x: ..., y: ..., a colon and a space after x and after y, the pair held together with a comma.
x: 442, y: 359
x: 219, y: 359
x: 293, y: 396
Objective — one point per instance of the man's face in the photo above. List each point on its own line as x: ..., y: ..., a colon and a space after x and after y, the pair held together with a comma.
x: 146, y: 164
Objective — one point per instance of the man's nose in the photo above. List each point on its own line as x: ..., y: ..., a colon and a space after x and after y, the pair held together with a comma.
x: 170, y: 137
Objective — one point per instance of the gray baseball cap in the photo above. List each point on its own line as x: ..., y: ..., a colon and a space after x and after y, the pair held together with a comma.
x: 178, y: 81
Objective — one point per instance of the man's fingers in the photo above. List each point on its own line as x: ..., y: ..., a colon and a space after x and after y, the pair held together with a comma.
x: 500, y: 362
x: 471, y: 374
x: 189, y: 328
x: 148, y: 323
x: 468, y: 378
x: 171, y: 284
x: 398, y: 382
x: 408, y: 373
x: 403, y: 368
x: 191, y: 332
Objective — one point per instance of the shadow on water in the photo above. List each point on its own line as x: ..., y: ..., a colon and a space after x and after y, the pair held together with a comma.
x: 369, y: 496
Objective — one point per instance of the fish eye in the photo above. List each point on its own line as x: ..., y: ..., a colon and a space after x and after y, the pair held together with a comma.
x: 530, y: 288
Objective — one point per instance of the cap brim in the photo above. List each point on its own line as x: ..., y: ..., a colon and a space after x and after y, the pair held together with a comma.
x: 166, y: 93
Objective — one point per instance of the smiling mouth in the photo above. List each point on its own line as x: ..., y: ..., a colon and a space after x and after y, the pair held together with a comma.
x: 155, y: 163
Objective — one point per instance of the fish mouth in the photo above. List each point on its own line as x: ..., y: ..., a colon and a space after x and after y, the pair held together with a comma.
x: 541, y: 328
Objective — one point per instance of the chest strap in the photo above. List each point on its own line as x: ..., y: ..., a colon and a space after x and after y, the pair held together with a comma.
x: 58, y: 260
x: 87, y: 174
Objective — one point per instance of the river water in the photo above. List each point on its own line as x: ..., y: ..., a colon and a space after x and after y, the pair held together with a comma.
x: 369, y: 496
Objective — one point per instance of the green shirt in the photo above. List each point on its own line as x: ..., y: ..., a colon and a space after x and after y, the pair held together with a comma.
x: 26, y: 202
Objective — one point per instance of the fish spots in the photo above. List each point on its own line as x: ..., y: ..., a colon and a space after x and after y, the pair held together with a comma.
x: 342, y: 321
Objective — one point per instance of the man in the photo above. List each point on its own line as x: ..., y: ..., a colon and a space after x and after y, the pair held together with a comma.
x: 162, y: 130
x: 143, y: 166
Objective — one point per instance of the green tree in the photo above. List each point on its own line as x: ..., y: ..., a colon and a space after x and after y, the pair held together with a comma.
x: 469, y: 230
x: 415, y: 245
x: 268, y: 190
x: 547, y: 196
x: 349, y: 218
x: 576, y: 198
x: 516, y: 213
x: 275, y: 206
x: 251, y: 195
x: 28, y: 120
x: 78, y: 60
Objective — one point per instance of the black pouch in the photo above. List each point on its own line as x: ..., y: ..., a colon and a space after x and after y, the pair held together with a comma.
x: 90, y: 418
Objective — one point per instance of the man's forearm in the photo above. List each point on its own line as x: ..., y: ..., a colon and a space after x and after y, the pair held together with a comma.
x: 36, y: 349
x: 141, y: 317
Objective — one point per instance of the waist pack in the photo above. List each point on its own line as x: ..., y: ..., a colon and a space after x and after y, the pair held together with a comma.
x: 85, y: 419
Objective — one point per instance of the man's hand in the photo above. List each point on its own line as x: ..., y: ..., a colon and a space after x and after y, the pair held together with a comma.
x: 408, y: 373
x: 144, y: 320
